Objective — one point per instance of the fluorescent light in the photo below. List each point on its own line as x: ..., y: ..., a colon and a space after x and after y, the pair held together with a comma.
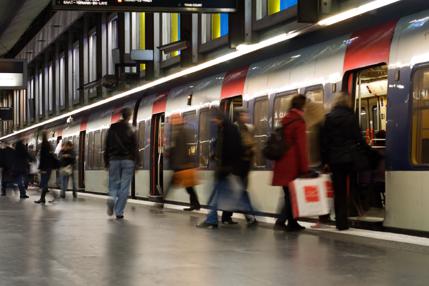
x: 373, y: 5
x: 245, y: 49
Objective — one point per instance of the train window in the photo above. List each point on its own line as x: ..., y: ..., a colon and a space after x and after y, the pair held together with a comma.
x: 97, y: 150
x: 204, y: 140
x: 90, y: 154
x: 141, y: 139
x: 420, y: 117
x: 314, y: 115
x: 281, y: 106
x: 261, y: 125
x: 190, y: 119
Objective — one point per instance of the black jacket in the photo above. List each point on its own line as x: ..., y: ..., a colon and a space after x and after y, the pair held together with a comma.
x: 339, y: 135
x: 121, y: 143
x: 229, y: 150
x: 22, y: 158
x: 67, y: 157
x: 46, y: 157
x: 7, y: 157
x: 180, y: 158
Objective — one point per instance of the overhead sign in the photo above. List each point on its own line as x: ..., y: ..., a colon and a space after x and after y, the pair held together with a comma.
x: 6, y: 113
x: 13, y: 74
x: 206, y: 6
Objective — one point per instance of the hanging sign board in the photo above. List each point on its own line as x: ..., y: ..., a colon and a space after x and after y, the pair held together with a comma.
x: 199, y: 6
x: 13, y: 74
x: 6, y: 113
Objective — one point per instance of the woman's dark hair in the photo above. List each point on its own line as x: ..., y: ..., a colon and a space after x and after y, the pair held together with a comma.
x: 298, y: 102
x: 126, y: 113
x: 20, y: 147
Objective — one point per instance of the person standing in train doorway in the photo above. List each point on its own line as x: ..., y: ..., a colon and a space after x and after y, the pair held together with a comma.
x: 294, y: 162
x: 47, y: 163
x: 181, y: 160
x: 21, y: 167
x: 67, y: 163
x: 120, y: 157
x: 340, y: 134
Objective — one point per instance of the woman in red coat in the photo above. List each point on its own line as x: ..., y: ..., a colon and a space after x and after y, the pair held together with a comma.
x: 294, y: 162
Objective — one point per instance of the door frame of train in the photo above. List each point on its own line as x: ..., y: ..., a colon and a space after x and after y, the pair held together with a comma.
x: 81, y: 166
x: 156, y: 158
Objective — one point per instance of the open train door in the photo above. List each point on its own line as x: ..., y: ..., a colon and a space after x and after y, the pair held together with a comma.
x: 157, y: 143
x: 366, y: 64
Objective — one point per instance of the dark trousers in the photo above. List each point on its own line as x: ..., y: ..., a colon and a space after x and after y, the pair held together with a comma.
x: 286, y: 211
x: 21, y: 182
x: 193, y: 197
x: 44, y: 181
x: 342, y: 175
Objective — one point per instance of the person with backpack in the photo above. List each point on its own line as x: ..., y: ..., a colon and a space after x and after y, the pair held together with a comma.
x: 293, y: 163
x: 120, y: 157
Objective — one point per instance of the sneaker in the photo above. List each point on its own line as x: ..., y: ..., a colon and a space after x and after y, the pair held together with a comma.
x: 74, y: 194
x: 24, y: 197
x: 110, y: 205
x: 40, y: 202
x: 207, y: 225
x: 119, y: 217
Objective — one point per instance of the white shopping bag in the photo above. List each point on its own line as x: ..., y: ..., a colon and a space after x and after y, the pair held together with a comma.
x: 309, y: 197
x: 329, y: 189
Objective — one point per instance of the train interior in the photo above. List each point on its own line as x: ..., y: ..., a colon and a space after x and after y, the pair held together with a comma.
x: 370, y: 105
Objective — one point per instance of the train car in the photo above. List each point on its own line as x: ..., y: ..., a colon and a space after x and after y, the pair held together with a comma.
x: 384, y: 68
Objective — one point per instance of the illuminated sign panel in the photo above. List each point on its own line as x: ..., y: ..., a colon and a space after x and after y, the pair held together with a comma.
x: 12, y: 74
x: 205, y: 6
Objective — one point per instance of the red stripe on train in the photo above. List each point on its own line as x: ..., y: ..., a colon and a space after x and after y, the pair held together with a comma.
x: 233, y: 83
x: 159, y: 104
x: 369, y: 47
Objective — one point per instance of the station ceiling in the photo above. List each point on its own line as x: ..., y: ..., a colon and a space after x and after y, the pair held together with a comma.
x: 15, y: 18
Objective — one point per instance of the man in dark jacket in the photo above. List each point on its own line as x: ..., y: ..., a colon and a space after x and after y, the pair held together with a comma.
x: 340, y: 134
x: 7, y: 164
x: 228, y: 153
x: 181, y: 160
x: 120, y: 156
x: 21, y: 167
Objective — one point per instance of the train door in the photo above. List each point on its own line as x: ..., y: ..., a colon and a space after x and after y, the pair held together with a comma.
x: 228, y: 105
x: 370, y: 101
x: 157, y: 156
x: 81, y: 160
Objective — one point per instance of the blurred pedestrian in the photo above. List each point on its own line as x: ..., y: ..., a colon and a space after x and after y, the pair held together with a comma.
x: 33, y: 169
x: 340, y: 134
x: 21, y: 166
x: 47, y: 163
x: 120, y: 157
x: 67, y: 158
x: 181, y: 160
x: 245, y: 163
x: 228, y: 152
x: 294, y: 162
x: 7, y: 159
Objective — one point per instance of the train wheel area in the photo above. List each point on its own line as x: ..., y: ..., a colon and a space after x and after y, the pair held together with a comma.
x: 73, y: 242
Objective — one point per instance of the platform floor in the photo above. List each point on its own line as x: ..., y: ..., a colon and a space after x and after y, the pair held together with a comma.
x: 75, y: 243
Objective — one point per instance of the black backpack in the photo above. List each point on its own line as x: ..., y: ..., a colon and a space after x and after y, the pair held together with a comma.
x: 276, y: 145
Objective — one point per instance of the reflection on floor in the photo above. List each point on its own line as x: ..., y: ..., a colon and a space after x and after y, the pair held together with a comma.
x: 75, y: 243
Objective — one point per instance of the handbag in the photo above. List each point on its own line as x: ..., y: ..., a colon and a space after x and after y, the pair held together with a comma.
x: 66, y: 170
x: 186, y: 178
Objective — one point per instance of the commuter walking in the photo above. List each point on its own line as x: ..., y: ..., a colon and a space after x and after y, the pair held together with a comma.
x: 7, y: 159
x: 228, y: 152
x: 120, y: 157
x: 294, y: 162
x: 182, y: 162
x: 245, y: 163
x: 340, y: 134
x: 47, y: 163
x: 67, y: 162
x: 21, y: 166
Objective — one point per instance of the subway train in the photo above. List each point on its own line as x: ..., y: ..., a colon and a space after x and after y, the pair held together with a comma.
x: 385, y: 68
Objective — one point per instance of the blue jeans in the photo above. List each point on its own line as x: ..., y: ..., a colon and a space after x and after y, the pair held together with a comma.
x: 65, y: 183
x: 44, y: 181
x: 120, y: 175
x: 21, y: 182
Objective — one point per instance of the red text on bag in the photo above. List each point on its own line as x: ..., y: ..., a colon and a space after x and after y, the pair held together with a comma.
x: 329, y: 189
x: 311, y: 194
